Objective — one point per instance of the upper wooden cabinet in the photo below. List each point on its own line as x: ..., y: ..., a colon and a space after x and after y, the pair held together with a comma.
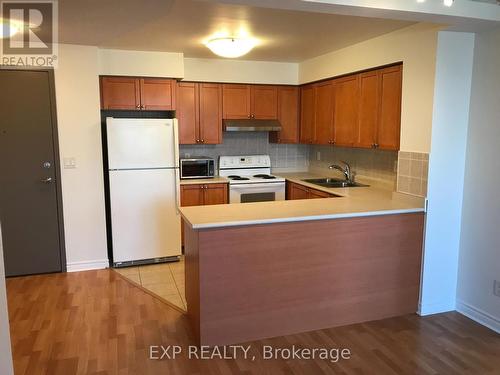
x: 358, y: 110
x: 250, y: 101
x: 323, y: 112
x: 288, y: 115
x: 199, y: 111
x: 389, y: 120
x: 137, y: 93
x: 157, y: 94
x: 120, y: 93
x: 345, y: 118
x: 379, y: 123
x: 307, y: 113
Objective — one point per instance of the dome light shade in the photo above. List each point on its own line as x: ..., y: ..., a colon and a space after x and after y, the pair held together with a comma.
x: 230, y: 47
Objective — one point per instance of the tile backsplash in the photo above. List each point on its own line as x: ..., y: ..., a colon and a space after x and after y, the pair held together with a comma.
x: 413, y: 172
x: 293, y: 157
x: 374, y: 164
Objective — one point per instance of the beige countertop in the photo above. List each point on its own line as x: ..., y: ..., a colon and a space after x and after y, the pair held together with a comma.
x: 352, y: 202
x: 215, y: 180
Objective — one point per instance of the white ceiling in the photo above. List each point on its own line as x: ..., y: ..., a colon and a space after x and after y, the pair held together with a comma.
x: 182, y: 25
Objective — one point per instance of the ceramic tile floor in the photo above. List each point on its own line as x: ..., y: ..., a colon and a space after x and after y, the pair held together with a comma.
x: 166, y: 280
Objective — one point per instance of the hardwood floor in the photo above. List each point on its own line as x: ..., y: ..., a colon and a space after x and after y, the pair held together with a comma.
x: 96, y: 322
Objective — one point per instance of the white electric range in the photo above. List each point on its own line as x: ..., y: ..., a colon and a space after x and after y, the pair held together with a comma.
x: 250, y: 179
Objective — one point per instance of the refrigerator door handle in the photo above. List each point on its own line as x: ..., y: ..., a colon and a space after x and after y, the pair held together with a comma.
x: 177, y: 190
x: 176, y: 142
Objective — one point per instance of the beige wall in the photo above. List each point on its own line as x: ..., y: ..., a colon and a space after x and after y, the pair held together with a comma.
x: 223, y: 70
x: 140, y: 63
x: 479, y: 263
x: 77, y: 98
x: 416, y: 47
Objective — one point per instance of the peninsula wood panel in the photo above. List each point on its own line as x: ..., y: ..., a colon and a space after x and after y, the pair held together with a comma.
x: 275, y: 280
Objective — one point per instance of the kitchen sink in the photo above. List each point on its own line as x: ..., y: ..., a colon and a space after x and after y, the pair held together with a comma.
x: 333, y: 183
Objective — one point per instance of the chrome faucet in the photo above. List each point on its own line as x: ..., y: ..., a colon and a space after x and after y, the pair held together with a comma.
x: 346, y: 170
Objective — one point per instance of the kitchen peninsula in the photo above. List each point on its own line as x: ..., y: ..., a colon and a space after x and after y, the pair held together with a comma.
x: 275, y: 268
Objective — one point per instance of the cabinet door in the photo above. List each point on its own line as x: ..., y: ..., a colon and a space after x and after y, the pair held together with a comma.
x: 389, y: 123
x: 210, y: 105
x: 157, y: 94
x: 346, y: 110
x: 215, y: 194
x: 323, y: 109
x: 297, y: 191
x: 236, y: 101
x: 288, y: 116
x: 368, y: 110
x: 264, y: 102
x: 188, y: 112
x: 315, y: 194
x: 307, y: 114
x: 120, y: 93
x: 191, y: 195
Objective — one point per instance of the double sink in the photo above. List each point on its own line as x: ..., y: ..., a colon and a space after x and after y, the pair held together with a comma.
x: 333, y: 183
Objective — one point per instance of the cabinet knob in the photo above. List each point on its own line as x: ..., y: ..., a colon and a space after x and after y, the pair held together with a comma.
x: 253, y: 116
x: 202, y: 141
x: 376, y: 145
x: 249, y: 116
x: 138, y: 106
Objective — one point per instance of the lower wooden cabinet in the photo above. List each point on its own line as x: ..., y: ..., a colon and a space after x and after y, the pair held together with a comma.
x: 296, y: 191
x: 203, y: 195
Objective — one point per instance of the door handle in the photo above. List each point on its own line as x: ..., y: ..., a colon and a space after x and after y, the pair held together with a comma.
x: 47, y: 180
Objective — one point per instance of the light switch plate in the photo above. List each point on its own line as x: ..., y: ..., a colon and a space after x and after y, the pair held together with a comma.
x: 496, y: 288
x: 69, y: 163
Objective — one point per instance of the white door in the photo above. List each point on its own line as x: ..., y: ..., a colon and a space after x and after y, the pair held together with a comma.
x: 142, y: 143
x: 144, y: 217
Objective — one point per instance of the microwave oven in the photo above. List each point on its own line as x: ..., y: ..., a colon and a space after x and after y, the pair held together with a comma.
x: 200, y: 167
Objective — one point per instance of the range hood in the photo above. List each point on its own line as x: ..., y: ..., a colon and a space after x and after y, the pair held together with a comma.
x: 251, y: 125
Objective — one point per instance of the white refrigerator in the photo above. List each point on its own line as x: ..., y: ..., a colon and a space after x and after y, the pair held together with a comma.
x: 144, y: 189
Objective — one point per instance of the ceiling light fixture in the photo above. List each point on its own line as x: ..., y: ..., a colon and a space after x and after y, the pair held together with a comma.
x: 9, y: 29
x: 448, y: 3
x: 231, y: 47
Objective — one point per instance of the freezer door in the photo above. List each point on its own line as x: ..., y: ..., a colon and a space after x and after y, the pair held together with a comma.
x: 144, y: 217
x: 141, y: 143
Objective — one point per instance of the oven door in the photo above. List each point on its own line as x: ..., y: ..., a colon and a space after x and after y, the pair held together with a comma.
x: 263, y: 192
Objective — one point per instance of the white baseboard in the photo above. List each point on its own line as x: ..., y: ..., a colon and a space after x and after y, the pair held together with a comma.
x: 435, y: 308
x: 87, y: 265
x: 479, y: 316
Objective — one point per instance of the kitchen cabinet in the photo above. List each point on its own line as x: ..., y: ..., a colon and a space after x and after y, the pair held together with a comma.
x: 345, y: 118
x: 202, y: 195
x: 379, y: 123
x: 288, y: 115
x: 137, y: 93
x: 199, y: 110
x: 250, y: 101
x: 323, y: 113
x: 297, y: 191
x: 120, y: 93
x: 307, y: 110
x: 389, y: 121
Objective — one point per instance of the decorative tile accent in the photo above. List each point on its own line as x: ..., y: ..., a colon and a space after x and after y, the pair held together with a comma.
x: 413, y: 170
x: 293, y: 158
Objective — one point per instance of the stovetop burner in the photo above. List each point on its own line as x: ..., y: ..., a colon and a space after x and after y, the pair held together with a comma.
x: 238, y: 178
x: 265, y: 176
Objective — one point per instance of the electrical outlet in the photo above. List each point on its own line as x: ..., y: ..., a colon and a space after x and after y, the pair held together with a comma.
x: 318, y: 156
x: 496, y: 288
